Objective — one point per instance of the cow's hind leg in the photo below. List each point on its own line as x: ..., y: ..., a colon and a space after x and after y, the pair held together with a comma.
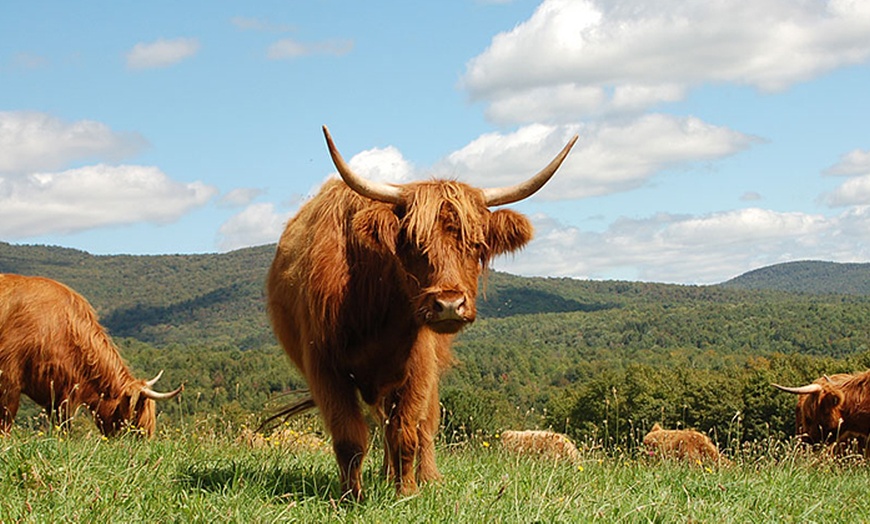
x: 344, y: 420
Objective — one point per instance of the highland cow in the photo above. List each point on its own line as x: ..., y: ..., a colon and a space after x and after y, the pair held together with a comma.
x: 833, y: 409
x: 683, y: 444
x: 369, y: 284
x: 545, y: 444
x: 53, y: 349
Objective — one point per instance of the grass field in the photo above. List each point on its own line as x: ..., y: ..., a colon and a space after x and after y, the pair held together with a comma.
x: 205, y: 473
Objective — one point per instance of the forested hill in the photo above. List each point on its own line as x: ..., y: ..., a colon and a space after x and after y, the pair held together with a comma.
x: 813, y: 277
x: 691, y: 355
x: 210, y: 299
x: 217, y: 299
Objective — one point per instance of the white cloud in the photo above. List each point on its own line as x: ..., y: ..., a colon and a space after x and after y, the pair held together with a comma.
x: 589, y: 57
x: 32, y: 141
x: 255, y: 225
x: 289, y: 48
x: 161, y: 53
x: 94, y: 196
x: 855, y: 162
x: 383, y: 165
x: 607, y: 158
x: 854, y: 191
x: 239, y: 197
x: 685, y: 249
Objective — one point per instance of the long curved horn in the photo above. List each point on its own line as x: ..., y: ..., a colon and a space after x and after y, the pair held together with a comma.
x: 374, y: 190
x: 154, y: 395
x: 803, y: 390
x: 498, y: 196
x: 154, y: 380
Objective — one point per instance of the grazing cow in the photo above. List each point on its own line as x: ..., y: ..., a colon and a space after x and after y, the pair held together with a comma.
x: 833, y: 409
x: 53, y: 349
x: 369, y: 284
x: 546, y: 444
x: 684, y: 444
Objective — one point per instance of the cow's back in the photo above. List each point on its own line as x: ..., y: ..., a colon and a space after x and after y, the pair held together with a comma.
x: 33, y: 310
x: 49, y: 331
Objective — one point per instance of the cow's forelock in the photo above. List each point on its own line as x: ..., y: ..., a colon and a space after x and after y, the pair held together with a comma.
x: 445, y: 213
x: 442, y: 251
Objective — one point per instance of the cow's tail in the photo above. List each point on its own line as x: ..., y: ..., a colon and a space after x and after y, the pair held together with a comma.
x: 302, y: 405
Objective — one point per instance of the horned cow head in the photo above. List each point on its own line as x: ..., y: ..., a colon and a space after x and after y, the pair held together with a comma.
x: 818, y: 414
x: 443, y: 234
x: 134, y: 407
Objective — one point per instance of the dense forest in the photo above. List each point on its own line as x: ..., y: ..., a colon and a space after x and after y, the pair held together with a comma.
x: 597, y: 359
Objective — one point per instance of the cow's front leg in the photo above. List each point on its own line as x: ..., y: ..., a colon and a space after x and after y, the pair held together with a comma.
x: 10, y: 397
x: 427, y: 470
x: 409, y: 418
x: 401, y: 449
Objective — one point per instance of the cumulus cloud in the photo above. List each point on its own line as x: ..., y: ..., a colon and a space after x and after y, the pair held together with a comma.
x: 855, y: 162
x: 161, y: 53
x: 607, y: 158
x: 257, y: 224
x: 573, y: 58
x: 239, y: 197
x: 852, y: 192
x: 32, y: 141
x: 691, y: 249
x: 383, y: 165
x: 94, y: 196
x: 855, y: 191
x: 289, y: 48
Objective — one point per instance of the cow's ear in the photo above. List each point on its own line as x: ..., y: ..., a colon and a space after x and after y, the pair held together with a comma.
x: 507, y: 231
x: 377, y: 227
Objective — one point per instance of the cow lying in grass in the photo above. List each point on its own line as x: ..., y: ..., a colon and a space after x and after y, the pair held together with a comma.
x: 683, y: 444
x: 546, y: 444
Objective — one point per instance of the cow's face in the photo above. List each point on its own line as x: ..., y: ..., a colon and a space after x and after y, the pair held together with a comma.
x: 131, y: 409
x: 442, y: 239
x: 819, y: 415
x: 443, y: 234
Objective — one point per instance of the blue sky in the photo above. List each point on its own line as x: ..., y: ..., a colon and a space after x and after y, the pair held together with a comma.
x: 715, y: 137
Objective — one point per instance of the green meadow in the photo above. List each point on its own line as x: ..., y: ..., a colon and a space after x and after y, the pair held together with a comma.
x: 207, y: 472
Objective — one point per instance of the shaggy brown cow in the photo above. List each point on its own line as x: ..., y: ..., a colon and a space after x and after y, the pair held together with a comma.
x: 546, y: 444
x: 369, y: 284
x: 833, y: 409
x: 53, y: 349
x: 684, y: 444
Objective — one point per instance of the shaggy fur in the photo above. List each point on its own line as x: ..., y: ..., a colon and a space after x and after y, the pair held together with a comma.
x: 546, y: 444
x: 53, y: 349
x: 840, y: 412
x: 353, y: 295
x: 684, y: 444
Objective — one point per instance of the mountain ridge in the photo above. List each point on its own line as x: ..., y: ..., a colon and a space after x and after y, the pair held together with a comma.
x: 218, y: 299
